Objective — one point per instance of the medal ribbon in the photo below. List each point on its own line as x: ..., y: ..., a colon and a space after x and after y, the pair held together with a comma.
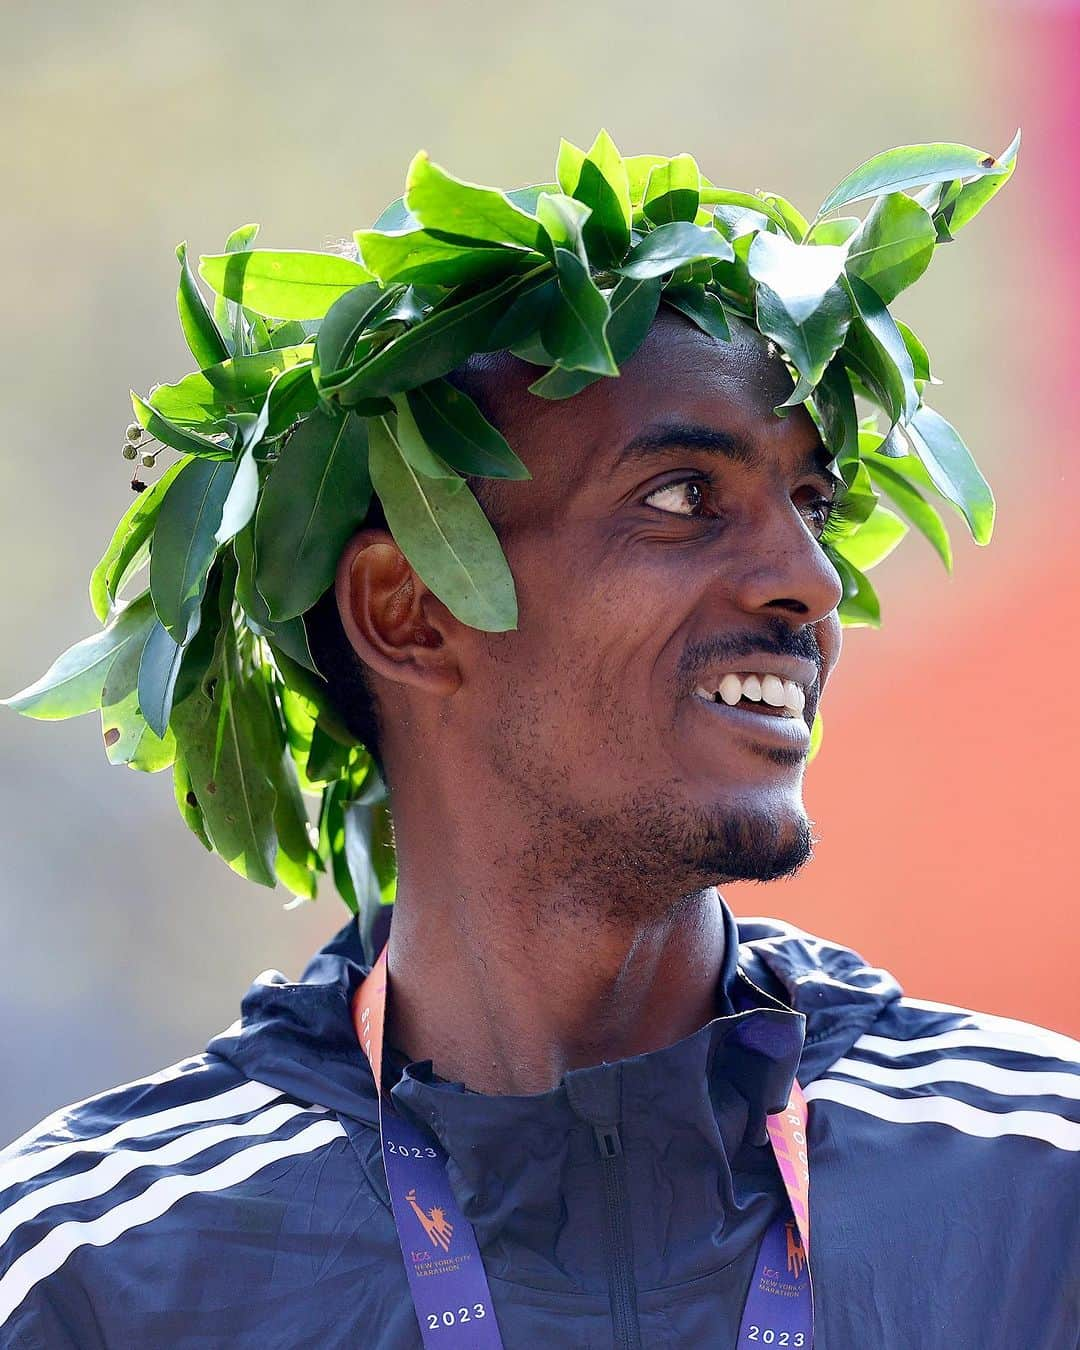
x: 442, y: 1259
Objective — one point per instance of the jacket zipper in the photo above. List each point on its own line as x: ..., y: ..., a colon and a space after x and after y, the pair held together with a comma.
x: 621, y: 1286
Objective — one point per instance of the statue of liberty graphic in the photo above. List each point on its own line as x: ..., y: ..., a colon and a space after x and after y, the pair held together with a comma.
x: 434, y: 1222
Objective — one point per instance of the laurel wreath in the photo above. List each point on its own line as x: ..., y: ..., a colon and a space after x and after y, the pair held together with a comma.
x: 322, y: 385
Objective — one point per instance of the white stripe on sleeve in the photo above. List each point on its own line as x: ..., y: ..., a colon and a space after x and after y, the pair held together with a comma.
x: 1044, y: 1125
x: 116, y: 1165
x: 237, y: 1101
x: 976, y: 1072
x: 55, y: 1248
x: 985, y: 1037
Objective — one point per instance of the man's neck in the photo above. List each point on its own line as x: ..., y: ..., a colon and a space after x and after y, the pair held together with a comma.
x: 507, y: 991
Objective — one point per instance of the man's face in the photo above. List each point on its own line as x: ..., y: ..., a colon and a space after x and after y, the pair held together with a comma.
x: 667, y: 541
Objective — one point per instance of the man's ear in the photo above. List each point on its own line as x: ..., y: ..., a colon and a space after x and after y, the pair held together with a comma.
x: 396, y: 625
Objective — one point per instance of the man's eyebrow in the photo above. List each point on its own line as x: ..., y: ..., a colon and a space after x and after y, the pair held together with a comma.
x: 663, y: 436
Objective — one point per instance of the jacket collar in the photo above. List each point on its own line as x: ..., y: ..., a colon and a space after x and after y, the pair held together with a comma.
x: 298, y: 1035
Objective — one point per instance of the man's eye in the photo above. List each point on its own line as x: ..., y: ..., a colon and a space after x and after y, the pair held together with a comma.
x: 820, y: 512
x: 681, y: 499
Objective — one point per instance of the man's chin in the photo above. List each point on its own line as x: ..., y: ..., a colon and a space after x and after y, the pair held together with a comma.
x: 750, y: 846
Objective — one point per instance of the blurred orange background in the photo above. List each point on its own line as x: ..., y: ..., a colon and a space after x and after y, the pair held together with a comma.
x: 945, y: 794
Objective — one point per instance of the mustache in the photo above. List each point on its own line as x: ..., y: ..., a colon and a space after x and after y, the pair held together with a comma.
x: 776, y: 638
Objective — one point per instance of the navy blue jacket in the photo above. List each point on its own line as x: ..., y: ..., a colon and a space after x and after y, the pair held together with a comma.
x: 237, y: 1199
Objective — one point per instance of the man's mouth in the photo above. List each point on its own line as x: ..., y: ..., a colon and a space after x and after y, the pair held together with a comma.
x: 758, y: 692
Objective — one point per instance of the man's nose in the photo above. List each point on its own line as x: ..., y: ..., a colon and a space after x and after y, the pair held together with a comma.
x: 785, y: 569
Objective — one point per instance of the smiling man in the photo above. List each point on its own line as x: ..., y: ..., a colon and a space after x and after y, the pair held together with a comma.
x: 666, y: 548
x: 573, y: 1102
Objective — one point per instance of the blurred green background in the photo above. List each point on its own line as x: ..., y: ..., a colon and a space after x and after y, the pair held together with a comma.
x: 131, y: 127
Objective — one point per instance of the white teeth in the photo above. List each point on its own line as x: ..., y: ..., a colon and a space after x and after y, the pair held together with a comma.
x: 731, y: 689
x: 770, y: 689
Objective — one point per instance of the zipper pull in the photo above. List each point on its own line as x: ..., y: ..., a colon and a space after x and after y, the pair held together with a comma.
x: 607, y: 1140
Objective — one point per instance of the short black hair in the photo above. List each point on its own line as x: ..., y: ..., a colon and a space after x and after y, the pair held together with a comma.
x: 348, y: 681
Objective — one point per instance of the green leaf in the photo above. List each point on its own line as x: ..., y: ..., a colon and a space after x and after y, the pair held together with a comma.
x: 169, y: 433
x: 563, y: 219
x: 229, y: 317
x: 860, y: 606
x: 638, y: 168
x: 327, y: 758
x: 315, y: 497
x: 252, y: 601
x: 203, y: 646
x: 218, y: 734
x: 244, y: 381
x: 836, y: 231
x: 858, y: 500
x: 299, y: 715
x: 119, y: 560
x: 575, y: 327
x: 439, y: 526
x: 356, y: 838
x: 285, y: 284
x: 527, y: 197
x: 285, y: 635
x: 201, y: 332
x: 920, y: 359
x: 799, y: 304
x: 743, y: 201
x: 292, y: 396
x: 794, y: 222
x: 969, y: 199
x: 834, y: 402
x: 894, y: 366
x: 73, y: 683
x: 340, y: 330
x: 633, y: 308
x: 187, y: 803
x: 241, y: 499
x: 907, y: 498
x: 129, y: 739
x: 416, y: 255
x: 289, y: 333
x: 193, y: 404
x: 158, y: 669
x: 599, y: 179
x: 522, y: 321
x: 733, y: 282
x: 459, y: 433
x: 705, y: 308
x: 368, y: 856
x: 952, y: 470
x: 290, y: 636
x: 671, y: 246
x: 874, y: 540
x: 332, y: 845
x: 410, y: 441
x: 817, y: 735
x: 673, y: 191
x: 184, y: 544
x: 448, y: 205
x: 894, y: 246
x: 296, y: 862
x: 906, y: 167
x: 435, y: 346
x: 802, y: 274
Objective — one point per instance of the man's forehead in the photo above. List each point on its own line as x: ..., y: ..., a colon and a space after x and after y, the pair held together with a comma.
x: 679, y: 376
